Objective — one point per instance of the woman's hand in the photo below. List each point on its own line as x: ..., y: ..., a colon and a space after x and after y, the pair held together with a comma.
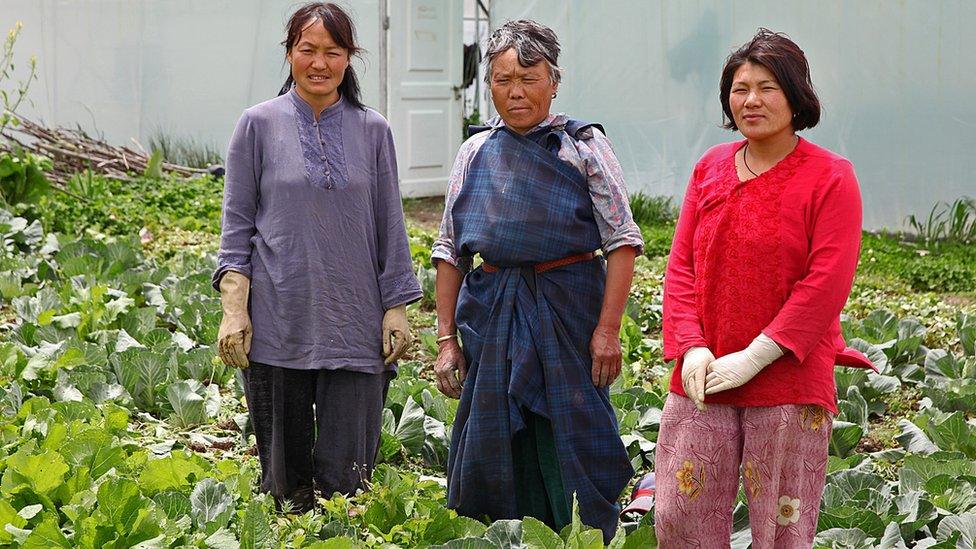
x: 450, y: 368
x: 736, y: 369
x: 693, y: 370
x: 606, y: 355
x: 396, y: 333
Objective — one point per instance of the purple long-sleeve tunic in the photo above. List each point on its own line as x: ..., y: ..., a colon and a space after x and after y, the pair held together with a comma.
x: 312, y: 215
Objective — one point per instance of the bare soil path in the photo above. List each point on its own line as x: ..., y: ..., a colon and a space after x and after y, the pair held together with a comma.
x: 424, y: 212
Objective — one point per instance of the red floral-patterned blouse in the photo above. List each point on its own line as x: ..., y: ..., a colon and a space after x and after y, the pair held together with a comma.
x: 775, y: 254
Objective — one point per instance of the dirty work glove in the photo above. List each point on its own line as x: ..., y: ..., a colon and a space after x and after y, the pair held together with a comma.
x: 693, y: 368
x: 395, y: 328
x: 234, y: 336
x: 736, y: 369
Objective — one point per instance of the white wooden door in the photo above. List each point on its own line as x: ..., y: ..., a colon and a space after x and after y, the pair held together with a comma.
x: 424, y: 69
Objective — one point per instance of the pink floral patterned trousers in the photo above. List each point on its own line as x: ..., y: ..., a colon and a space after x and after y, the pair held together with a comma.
x: 780, y: 452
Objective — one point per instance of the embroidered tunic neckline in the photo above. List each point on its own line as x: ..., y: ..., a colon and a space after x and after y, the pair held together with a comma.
x: 321, y: 140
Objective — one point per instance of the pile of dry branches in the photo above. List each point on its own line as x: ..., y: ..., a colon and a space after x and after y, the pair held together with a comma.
x: 74, y: 151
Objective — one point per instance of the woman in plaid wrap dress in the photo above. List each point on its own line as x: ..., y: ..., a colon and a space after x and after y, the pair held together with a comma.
x: 534, y: 195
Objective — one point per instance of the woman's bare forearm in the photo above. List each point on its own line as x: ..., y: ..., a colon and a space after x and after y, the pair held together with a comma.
x: 620, y: 274
x: 447, y: 287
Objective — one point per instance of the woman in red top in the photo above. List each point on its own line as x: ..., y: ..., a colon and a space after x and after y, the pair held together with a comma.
x: 762, y: 263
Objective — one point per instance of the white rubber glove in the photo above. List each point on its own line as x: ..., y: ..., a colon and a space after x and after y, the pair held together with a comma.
x: 696, y: 361
x: 734, y: 370
x: 396, y: 333
x: 234, y: 335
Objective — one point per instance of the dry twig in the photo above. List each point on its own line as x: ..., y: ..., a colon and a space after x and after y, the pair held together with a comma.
x: 74, y: 151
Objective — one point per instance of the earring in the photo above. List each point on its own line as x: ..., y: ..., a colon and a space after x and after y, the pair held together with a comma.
x: 553, y: 96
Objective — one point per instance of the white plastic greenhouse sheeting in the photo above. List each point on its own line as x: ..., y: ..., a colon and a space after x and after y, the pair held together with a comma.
x: 188, y: 68
x: 897, y: 81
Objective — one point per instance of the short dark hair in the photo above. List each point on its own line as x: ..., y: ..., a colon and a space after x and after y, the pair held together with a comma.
x: 782, y: 57
x: 341, y: 27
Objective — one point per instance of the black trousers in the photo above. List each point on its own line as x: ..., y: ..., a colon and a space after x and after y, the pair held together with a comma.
x: 315, y: 429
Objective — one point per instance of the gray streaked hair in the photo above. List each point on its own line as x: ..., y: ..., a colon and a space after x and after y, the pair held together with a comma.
x: 532, y: 43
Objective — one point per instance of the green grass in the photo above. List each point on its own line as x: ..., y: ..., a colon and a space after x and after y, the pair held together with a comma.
x: 649, y: 210
x: 657, y: 239
x: 185, y: 151
x: 947, y: 223
x: 947, y: 267
x: 168, y: 208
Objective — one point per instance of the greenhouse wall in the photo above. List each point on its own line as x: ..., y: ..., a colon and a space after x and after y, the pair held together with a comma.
x: 130, y: 69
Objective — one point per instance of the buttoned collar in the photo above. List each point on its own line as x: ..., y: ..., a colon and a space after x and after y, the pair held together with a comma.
x: 306, y: 110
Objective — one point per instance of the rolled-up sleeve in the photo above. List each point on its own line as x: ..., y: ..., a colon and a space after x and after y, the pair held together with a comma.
x: 443, y: 248
x: 240, y: 204
x: 682, y: 329
x: 608, y: 191
x: 397, y: 282
x: 816, y: 300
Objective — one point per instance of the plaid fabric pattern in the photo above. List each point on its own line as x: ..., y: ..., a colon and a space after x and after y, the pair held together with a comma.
x: 526, y: 335
x: 521, y: 205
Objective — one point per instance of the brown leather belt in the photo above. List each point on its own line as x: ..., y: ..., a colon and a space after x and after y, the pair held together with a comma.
x: 548, y: 265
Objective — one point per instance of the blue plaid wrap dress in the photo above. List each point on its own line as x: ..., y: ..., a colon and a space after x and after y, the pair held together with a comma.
x: 526, y: 335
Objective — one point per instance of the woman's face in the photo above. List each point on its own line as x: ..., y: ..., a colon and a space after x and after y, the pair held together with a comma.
x: 318, y: 64
x: 522, y: 95
x: 758, y: 104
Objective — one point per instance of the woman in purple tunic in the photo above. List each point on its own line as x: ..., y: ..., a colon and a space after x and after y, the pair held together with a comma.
x: 314, y: 267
